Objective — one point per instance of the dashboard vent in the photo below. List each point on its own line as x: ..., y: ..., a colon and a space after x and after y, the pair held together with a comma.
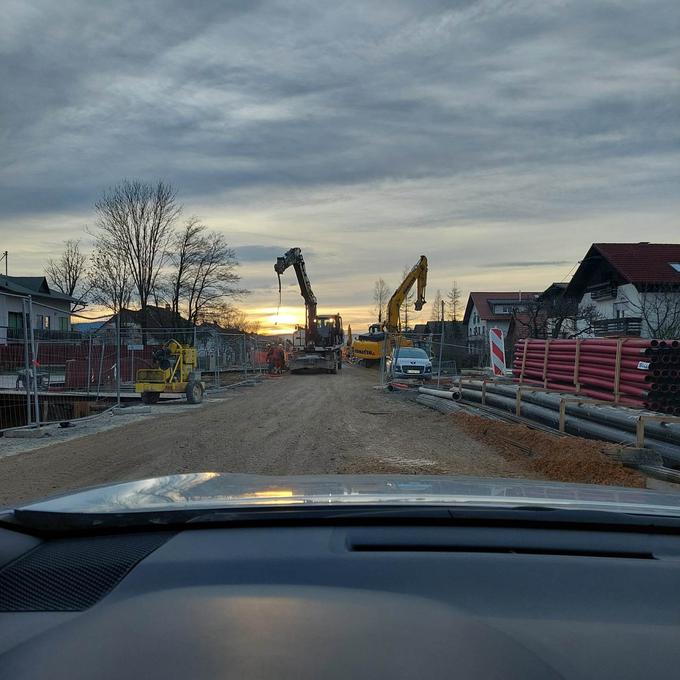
x: 72, y: 574
x: 507, y: 550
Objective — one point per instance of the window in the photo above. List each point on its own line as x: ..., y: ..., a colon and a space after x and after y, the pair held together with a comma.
x: 42, y: 321
x: 63, y: 323
x: 15, y: 320
x: 676, y: 266
x: 620, y: 309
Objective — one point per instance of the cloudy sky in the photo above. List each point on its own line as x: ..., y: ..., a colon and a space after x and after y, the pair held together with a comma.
x: 499, y: 138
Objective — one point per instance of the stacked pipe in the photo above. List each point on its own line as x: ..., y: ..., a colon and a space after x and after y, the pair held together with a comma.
x: 628, y: 371
x: 609, y: 423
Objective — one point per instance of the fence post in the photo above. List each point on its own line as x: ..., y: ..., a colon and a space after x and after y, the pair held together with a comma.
x: 118, y: 360
x: 35, y: 363
x: 27, y: 364
x: 89, y: 363
x: 383, y: 360
x: 101, y: 366
x: 245, y: 358
x: 441, y: 347
x: 216, y: 358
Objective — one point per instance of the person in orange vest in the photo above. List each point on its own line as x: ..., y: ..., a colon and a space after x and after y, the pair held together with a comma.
x: 270, y: 358
x: 279, y: 359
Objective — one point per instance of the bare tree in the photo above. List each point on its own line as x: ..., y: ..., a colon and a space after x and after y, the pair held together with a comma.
x: 109, y: 278
x: 436, y: 309
x: 453, y: 303
x: 185, y: 255
x: 135, y: 222
x: 68, y: 273
x: 659, y: 309
x: 548, y: 317
x: 381, y: 295
x: 211, y: 279
x: 228, y: 316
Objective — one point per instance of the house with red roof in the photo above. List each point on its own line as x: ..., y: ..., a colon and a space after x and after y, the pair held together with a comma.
x: 634, y: 289
x: 485, y: 310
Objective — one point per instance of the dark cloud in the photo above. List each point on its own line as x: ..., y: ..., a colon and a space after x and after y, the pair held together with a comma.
x: 259, y: 253
x: 222, y: 97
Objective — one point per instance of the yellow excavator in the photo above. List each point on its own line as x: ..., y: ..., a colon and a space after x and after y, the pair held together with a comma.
x: 369, y: 346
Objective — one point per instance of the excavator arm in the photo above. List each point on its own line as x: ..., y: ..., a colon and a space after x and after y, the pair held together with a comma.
x: 418, y: 274
x: 293, y: 258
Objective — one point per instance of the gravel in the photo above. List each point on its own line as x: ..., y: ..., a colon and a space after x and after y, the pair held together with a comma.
x: 297, y: 424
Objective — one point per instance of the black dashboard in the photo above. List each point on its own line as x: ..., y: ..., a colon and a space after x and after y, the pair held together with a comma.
x: 341, y: 602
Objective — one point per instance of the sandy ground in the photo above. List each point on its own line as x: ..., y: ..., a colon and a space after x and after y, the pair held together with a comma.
x: 296, y: 424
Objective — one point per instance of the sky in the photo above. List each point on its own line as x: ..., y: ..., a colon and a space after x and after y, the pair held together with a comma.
x: 499, y: 139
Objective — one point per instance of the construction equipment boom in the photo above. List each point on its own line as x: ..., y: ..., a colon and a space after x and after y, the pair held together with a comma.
x: 320, y: 348
x: 369, y: 346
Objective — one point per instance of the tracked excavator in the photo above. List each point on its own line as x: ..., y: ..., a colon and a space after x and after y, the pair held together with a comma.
x: 317, y: 345
x: 369, y: 347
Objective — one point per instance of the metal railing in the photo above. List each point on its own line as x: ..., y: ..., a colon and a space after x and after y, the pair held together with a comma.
x: 624, y: 326
x: 59, y: 376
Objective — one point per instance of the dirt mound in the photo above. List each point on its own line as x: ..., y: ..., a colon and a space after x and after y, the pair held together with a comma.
x: 560, y: 459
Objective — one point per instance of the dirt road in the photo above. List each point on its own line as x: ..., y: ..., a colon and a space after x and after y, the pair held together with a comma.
x: 296, y: 424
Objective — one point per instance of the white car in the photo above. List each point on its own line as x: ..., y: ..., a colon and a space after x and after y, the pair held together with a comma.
x: 409, y: 362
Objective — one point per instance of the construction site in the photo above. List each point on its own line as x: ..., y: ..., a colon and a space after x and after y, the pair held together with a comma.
x: 594, y: 410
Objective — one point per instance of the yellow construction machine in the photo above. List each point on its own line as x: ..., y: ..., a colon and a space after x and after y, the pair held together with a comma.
x: 176, y: 372
x: 369, y: 346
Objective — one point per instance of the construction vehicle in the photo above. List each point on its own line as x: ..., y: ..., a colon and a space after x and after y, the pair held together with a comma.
x: 370, y: 347
x: 175, y: 372
x: 318, y: 344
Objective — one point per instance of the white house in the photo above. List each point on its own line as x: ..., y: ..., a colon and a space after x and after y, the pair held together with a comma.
x: 487, y: 310
x: 51, y: 309
x: 633, y: 288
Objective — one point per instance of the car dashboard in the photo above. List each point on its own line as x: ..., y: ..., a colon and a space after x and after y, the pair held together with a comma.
x: 341, y: 600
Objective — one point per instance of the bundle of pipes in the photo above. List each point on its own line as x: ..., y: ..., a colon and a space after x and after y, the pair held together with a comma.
x: 592, y: 421
x: 628, y: 371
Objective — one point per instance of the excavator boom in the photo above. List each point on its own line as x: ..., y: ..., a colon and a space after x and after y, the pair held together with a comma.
x: 418, y: 274
x: 323, y: 334
x: 293, y: 258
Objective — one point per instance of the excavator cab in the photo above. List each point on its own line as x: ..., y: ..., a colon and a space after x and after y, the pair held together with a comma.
x: 329, y: 330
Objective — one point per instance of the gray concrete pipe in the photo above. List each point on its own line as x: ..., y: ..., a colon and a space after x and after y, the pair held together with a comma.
x: 607, y: 415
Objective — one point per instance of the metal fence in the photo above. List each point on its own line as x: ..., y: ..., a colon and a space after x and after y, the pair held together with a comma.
x: 446, y: 358
x: 47, y: 377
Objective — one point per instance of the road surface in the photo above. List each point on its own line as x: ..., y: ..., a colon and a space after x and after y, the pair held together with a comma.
x: 296, y: 424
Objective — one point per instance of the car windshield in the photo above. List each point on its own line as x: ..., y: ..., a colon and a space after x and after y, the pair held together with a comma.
x: 390, y: 242
x: 405, y: 353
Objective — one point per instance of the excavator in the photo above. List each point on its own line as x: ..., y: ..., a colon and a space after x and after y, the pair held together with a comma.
x: 369, y: 347
x: 318, y: 345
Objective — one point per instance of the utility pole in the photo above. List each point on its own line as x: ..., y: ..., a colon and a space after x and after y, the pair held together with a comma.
x: 5, y: 257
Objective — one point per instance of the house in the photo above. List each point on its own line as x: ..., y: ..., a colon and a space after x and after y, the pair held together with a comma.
x: 488, y: 310
x: 161, y: 324
x: 632, y: 289
x: 51, y: 308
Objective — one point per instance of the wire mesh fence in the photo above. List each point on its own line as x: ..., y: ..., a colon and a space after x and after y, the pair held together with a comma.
x: 58, y: 376
x: 435, y: 358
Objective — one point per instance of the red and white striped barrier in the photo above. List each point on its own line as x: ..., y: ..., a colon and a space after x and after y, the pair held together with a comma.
x: 497, y: 346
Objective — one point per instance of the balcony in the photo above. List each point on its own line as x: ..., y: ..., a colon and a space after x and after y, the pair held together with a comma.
x: 628, y: 326
x: 603, y: 291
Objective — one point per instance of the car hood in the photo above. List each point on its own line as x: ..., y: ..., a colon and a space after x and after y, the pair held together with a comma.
x: 213, y: 490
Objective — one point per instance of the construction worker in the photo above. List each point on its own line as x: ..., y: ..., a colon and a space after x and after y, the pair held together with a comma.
x: 279, y: 358
x: 270, y: 358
